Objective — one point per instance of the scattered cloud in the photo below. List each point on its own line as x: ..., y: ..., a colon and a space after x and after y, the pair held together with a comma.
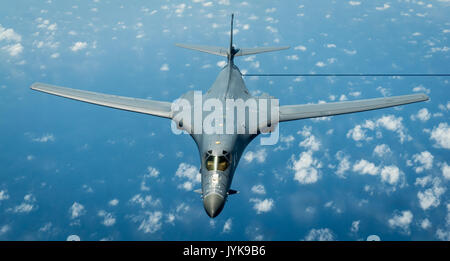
x: 189, y: 172
x: 113, y: 202
x: 382, y: 8
x: 259, y: 189
x: 108, y: 218
x: 10, y: 41
x: 78, y: 46
x: 76, y: 210
x: 144, y: 201
x: 354, y: 3
x: 424, y: 160
x: 445, y: 172
x: 365, y: 167
x: 259, y: 156
x: 150, y: 222
x: 310, y: 142
x: 45, y: 138
x: 262, y: 206
x: 321, y: 234
x: 305, y: 168
x: 391, y: 174
x: 431, y: 196
x: 402, y: 221
x: 164, y: 67
x: 382, y: 150
x: 422, y: 115
x: 441, y: 135
x: 344, y: 163
x: 4, y: 195
x: 227, y: 226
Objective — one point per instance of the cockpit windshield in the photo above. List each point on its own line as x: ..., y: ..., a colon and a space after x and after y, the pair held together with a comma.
x: 217, y: 162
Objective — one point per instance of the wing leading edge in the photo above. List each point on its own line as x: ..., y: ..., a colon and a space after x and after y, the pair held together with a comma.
x: 156, y: 108
x: 305, y: 111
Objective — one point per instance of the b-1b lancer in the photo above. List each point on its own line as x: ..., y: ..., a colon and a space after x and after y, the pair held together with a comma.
x: 222, y: 135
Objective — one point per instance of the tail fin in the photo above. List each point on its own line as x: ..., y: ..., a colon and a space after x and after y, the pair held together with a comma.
x: 232, y: 51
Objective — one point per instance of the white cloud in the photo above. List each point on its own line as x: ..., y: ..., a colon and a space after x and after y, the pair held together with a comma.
x: 305, y: 168
x: 365, y: 167
x: 425, y: 224
x: 310, y: 142
x: 24, y: 207
x: 9, y: 35
x: 382, y: 150
x: 151, y: 222
x: 4, y: 195
x: 300, y: 47
x: 431, y: 196
x: 344, y: 163
x: 164, y: 67
x: 4, y: 229
x: 423, y: 181
x: 152, y: 172
x: 391, y: 174
x: 189, y: 172
x: 144, y: 202
x: 45, y: 138
x: 108, y: 218
x: 259, y: 156
x: 441, y: 135
x: 421, y: 88
x: 423, y: 115
x: 78, y: 46
x: 293, y: 57
x: 357, y: 133
x: 321, y: 234
x: 401, y: 221
x: 443, y: 235
x: 227, y: 226
x: 445, y: 172
x: 13, y: 49
x: 262, y: 206
x: 382, y: 8
x: 354, y: 3
x: 392, y: 123
x: 425, y: 161
x: 320, y: 64
x: 54, y: 56
x: 113, y: 202
x: 76, y: 210
x: 259, y: 189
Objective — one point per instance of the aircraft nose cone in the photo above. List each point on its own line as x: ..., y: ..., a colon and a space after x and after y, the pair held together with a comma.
x: 213, y: 204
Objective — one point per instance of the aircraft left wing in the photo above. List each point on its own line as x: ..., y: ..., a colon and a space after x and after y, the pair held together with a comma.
x: 305, y: 111
x: 156, y: 108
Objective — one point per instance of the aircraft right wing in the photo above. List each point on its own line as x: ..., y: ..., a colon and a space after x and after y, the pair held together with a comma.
x: 305, y: 111
x: 156, y: 108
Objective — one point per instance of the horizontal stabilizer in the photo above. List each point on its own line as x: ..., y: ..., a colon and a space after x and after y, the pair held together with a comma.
x: 250, y: 51
x: 206, y: 49
x: 224, y: 52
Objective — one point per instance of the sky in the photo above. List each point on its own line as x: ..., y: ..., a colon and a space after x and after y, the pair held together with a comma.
x: 75, y: 171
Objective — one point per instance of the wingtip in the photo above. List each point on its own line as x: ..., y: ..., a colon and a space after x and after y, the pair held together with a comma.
x: 34, y: 85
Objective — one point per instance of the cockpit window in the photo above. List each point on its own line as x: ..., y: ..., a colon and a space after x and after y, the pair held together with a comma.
x: 217, y: 163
